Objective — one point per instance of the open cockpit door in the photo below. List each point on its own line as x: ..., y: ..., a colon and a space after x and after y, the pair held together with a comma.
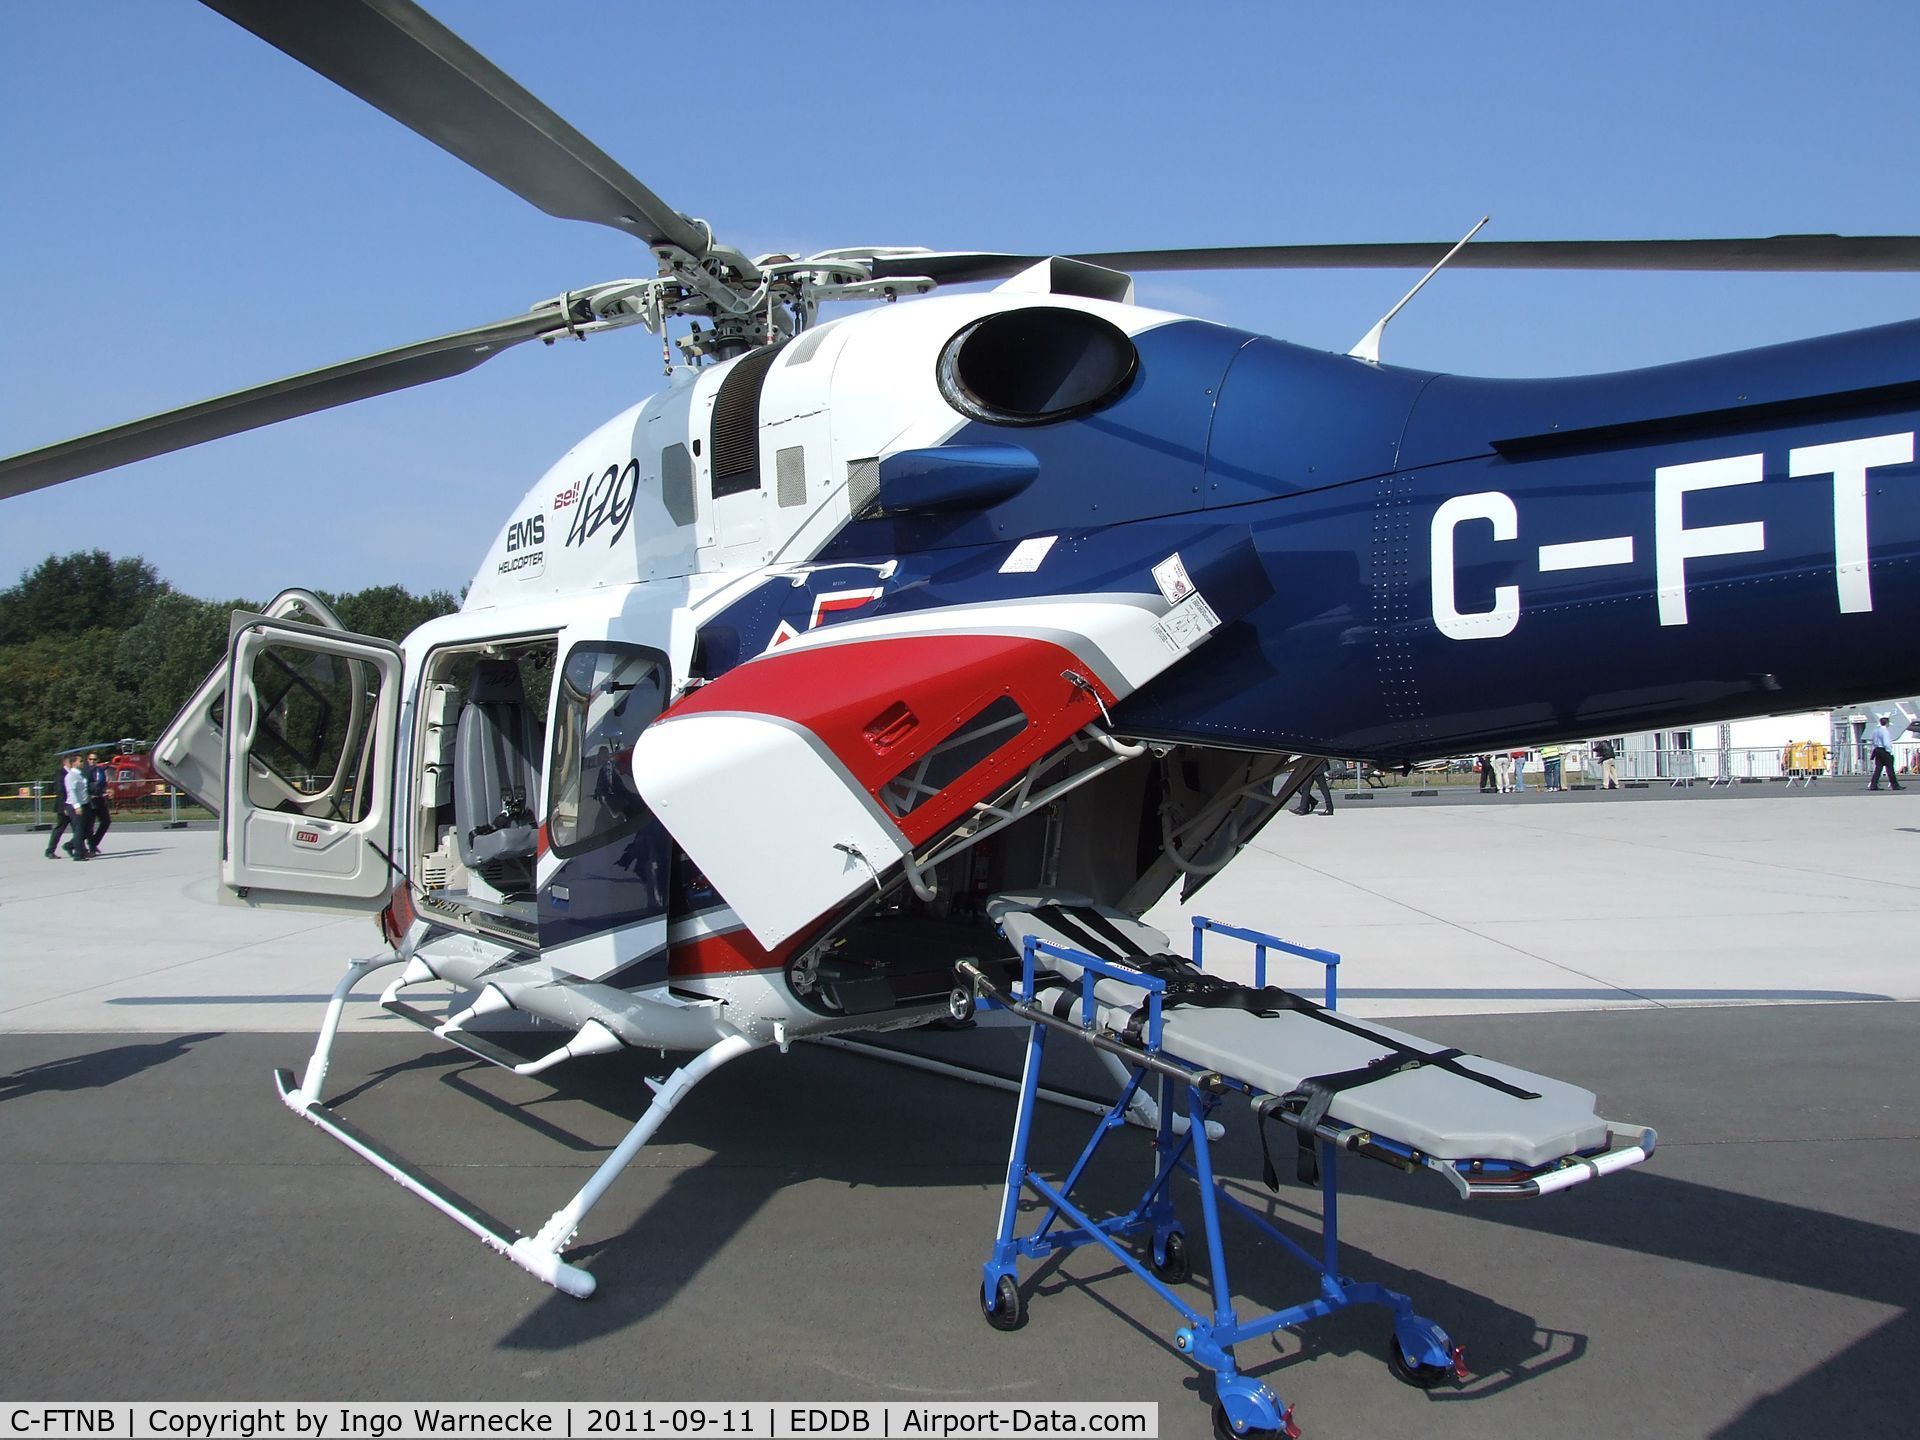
x: 191, y: 752
x: 304, y: 719
x: 310, y: 739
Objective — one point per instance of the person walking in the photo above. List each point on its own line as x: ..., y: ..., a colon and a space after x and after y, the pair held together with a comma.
x: 1317, y: 781
x: 1883, y: 756
x: 101, y: 805
x: 74, y: 811
x: 1487, y: 780
x: 61, y: 819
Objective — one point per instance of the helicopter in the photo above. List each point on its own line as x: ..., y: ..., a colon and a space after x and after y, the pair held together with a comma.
x: 131, y: 778
x: 776, y: 684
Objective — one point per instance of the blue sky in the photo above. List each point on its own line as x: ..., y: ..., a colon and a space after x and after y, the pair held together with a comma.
x: 189, y: 212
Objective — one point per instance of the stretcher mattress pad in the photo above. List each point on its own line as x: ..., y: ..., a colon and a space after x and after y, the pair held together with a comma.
x: 1448, y: 1115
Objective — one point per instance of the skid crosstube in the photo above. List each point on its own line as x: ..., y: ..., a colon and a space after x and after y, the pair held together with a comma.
x: 1419, y: 1351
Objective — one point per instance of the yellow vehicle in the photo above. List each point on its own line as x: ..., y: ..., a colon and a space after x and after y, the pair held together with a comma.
x: 1804, y: 757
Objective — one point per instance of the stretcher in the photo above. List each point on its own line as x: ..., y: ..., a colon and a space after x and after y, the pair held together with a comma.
x: 1330, y: 1084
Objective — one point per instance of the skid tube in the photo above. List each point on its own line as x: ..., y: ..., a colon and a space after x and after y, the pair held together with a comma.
x: 539, y: 1254
x: 1420, y: 1352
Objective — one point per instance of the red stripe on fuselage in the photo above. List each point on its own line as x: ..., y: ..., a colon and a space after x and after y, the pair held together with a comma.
x: 729, y: 953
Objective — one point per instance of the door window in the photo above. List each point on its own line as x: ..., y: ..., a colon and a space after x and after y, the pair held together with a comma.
x: 312, y: 739
x: 608, y: 694
x: 309, y: 767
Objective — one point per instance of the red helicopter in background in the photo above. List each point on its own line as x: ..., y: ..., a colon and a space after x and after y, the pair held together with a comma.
x: 131, y: 778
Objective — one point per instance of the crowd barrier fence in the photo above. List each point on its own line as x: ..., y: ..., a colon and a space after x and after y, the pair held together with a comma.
x: 36, y: 803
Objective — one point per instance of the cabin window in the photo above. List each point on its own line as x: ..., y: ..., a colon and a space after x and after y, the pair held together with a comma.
x: 608, y: 694
x: 1035, y: 365
x: 676, y: 484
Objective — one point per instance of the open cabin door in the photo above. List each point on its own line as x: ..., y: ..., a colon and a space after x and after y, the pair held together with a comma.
x: 307, y: 731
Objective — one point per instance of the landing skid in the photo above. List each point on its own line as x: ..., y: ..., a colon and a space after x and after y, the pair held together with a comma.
x: 538, y: 1254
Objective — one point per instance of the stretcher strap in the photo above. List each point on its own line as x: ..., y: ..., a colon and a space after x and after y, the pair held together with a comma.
x: 1312, y: 1098
x: 1185, y: 983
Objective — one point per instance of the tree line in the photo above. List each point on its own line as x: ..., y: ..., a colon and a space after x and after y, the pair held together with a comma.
x: 94, y: 649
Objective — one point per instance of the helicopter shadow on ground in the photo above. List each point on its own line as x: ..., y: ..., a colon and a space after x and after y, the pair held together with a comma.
x: 99, y: 1069
x: 768, y: 1123
x: 462, y: 1075
x: 767, y: 1136
x: 1509, y: 1347
x: 753, y: 1129
x: 852, y: 1122
x: 1872, y: 1382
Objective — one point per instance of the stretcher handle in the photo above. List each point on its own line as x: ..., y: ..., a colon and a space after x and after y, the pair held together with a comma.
x: 1262, y: 943
x: 1639, y: 1144
x: 971, y: 974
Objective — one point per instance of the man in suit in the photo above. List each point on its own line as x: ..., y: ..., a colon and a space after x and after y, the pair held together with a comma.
x: 1317, y: 781
x: 74, y: 810
x: 99, y: 803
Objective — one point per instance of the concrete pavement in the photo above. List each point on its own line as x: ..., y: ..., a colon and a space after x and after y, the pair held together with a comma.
x: 811, y: 1226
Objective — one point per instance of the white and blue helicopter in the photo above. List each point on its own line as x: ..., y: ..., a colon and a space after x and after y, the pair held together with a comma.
x: 869, y: 642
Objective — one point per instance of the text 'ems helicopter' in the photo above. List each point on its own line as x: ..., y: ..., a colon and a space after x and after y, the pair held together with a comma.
x: 795, y: 694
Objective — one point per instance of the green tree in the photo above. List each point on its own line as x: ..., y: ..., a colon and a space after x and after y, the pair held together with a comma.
x: 161, y: 659
x: 94, y: 649
x: 388, y: 611
x: 69, y: 594
x: 59, y: 691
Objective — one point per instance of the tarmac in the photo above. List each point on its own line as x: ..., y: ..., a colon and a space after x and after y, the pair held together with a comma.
x: 1731, y: 968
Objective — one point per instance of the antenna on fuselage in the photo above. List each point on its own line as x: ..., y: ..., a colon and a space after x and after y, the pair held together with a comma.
x: 1368, y: 349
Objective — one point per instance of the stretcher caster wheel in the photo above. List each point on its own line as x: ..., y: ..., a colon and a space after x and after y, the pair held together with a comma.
x: 960, y: 1005
x: 1420, y: 1376
x: 1223, y: 1427
x: 1005, y: 1307
x: 1170, y: 1261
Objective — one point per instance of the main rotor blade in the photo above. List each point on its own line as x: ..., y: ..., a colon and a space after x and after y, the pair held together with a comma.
x: 399, y: 59
x: 249, y: 409
x: 1771, y: 252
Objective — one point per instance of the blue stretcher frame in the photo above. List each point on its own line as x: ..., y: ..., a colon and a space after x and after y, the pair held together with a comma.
x: 1247, y: 1405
